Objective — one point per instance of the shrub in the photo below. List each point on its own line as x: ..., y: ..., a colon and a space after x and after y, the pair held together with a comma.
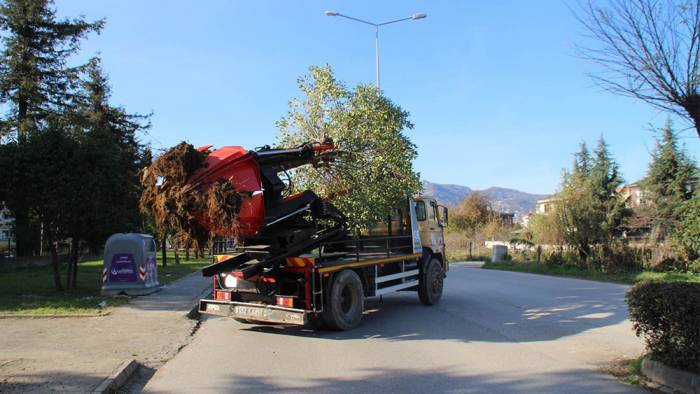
x: 667, y: 315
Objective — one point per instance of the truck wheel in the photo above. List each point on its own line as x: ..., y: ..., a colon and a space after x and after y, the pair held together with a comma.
x: 431, y: 278
x: 343, y: 310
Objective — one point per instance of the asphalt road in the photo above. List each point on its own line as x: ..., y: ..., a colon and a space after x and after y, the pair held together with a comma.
x: 493, y: 332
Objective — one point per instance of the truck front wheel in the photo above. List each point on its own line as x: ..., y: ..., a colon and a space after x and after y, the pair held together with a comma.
x: 345, y: 301
x: 430, y: 286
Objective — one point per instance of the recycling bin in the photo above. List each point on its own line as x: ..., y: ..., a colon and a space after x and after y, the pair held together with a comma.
x: 130, y: 265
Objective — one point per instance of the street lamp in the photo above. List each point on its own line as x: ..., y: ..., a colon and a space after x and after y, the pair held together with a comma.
x: 376, y: 31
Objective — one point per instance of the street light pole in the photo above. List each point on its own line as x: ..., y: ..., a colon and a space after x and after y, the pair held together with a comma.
x: 376, y: 53
x: 376, y: 32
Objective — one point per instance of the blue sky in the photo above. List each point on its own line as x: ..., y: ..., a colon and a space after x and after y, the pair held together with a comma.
x: 496, y: 90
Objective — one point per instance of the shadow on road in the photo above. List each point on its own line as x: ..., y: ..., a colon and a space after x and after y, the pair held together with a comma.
x: 400, y: 380
x: 508, y: 310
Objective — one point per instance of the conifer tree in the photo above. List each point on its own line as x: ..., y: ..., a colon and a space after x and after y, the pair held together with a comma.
x: 668, y: 182
x: 35, y: 80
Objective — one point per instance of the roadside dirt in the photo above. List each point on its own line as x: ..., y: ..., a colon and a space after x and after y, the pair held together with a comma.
x: 77, y: 354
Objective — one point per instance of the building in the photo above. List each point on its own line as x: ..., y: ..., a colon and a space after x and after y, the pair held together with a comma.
x: 545, y: 205
x: 633, y: 195
x: 6, y: 223
x: 507, y: 219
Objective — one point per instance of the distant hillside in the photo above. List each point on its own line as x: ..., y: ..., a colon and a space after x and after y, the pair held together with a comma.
x: 503, y: 200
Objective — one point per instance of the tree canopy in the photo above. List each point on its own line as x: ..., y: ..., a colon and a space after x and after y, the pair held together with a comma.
x: 668, y: 182
x: 374, y: 173
x: 648, y: 49
x: 35, y: 80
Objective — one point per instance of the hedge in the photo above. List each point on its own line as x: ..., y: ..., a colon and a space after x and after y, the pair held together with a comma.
x: 667, y: 315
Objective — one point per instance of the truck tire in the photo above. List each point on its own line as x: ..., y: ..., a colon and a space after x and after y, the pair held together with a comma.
x: 430, y: 284
x: 343, y: 311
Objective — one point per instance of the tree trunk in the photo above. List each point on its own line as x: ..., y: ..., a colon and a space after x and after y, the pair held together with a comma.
x: 177, y: 254
x: 75, y: 249
x: 692, y: 106
x: 56, y: 265
x: 187, y: 254
x: 23, y: 234
x: 164, y: 252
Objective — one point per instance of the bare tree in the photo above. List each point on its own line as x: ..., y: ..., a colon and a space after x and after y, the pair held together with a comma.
x: 649, y: 49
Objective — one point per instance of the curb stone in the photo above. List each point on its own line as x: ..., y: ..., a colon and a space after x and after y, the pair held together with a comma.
x: 677, y: 380
x: 118, y: 378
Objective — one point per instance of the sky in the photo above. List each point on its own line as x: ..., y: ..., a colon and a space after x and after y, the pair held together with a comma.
x: 496, y: 90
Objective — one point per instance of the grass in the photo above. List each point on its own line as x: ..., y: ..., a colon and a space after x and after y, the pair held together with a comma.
x: 630, y: 277
x: 629, y: 371
x: 31, y: 290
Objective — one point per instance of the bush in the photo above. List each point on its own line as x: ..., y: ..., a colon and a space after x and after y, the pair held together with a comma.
x: 667, y: 315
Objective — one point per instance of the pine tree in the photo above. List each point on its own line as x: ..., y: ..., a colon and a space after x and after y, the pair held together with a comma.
x: 605, y: 180
x: 668, y: 182
x: 582, y: 161
x: 34, y: 77
x: 35, y: 84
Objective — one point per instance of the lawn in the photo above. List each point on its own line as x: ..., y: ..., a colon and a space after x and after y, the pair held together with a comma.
x: 576, y: 272
x: 31, y: 290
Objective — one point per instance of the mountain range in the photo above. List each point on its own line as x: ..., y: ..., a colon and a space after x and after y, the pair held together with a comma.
x: 502, y: 199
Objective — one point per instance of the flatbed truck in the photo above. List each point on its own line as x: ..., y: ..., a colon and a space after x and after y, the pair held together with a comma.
x: 327, y: 287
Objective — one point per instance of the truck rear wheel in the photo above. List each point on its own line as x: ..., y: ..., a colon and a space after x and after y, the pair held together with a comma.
x: 343, y: 310
x: 431, y: 279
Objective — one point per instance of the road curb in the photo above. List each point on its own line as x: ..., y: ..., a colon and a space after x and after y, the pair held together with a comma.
x: 51, y: 316
x: 677, y: 380
x: 118, y: 377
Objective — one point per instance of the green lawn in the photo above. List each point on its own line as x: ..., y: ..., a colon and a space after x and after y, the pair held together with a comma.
x: 31, y: 290
x: 575, y: 272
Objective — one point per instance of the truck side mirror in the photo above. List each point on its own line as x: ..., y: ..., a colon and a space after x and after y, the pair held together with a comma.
x: 443, y: 217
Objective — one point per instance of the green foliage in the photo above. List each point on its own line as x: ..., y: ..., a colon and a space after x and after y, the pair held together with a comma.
x: 545, y: 229
x: 668, y: 183
x: 687, y: 235
x: 375, y: 171
x: 35, y: 82
x: 72, y: 169
x: 589, y: 211
x: 667, y: 315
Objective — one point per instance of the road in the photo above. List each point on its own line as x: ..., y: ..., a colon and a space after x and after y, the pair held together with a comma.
x: 493, y: 332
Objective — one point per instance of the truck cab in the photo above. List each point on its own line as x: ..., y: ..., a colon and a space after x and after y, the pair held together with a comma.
x: 432, y: 218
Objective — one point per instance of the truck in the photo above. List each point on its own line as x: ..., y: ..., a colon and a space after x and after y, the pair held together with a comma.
x: 296, y: 262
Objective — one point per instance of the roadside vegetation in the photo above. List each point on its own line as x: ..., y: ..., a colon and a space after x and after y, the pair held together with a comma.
x: 570, y: 271
x: 593, y: 228
x: 32, y: 291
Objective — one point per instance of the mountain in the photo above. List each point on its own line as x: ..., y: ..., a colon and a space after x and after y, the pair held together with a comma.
x: 502, y: 199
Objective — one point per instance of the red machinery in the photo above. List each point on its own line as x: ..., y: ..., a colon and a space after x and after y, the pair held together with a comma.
x: 272, y: 224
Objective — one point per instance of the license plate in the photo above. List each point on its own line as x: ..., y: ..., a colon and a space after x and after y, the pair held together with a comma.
x: 213, y: 307
x: 249, y: 311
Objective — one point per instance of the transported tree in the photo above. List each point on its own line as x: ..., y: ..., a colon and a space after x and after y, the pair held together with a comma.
x: 374, y: 173
x: 648, y: 50
x: 177, y: 205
